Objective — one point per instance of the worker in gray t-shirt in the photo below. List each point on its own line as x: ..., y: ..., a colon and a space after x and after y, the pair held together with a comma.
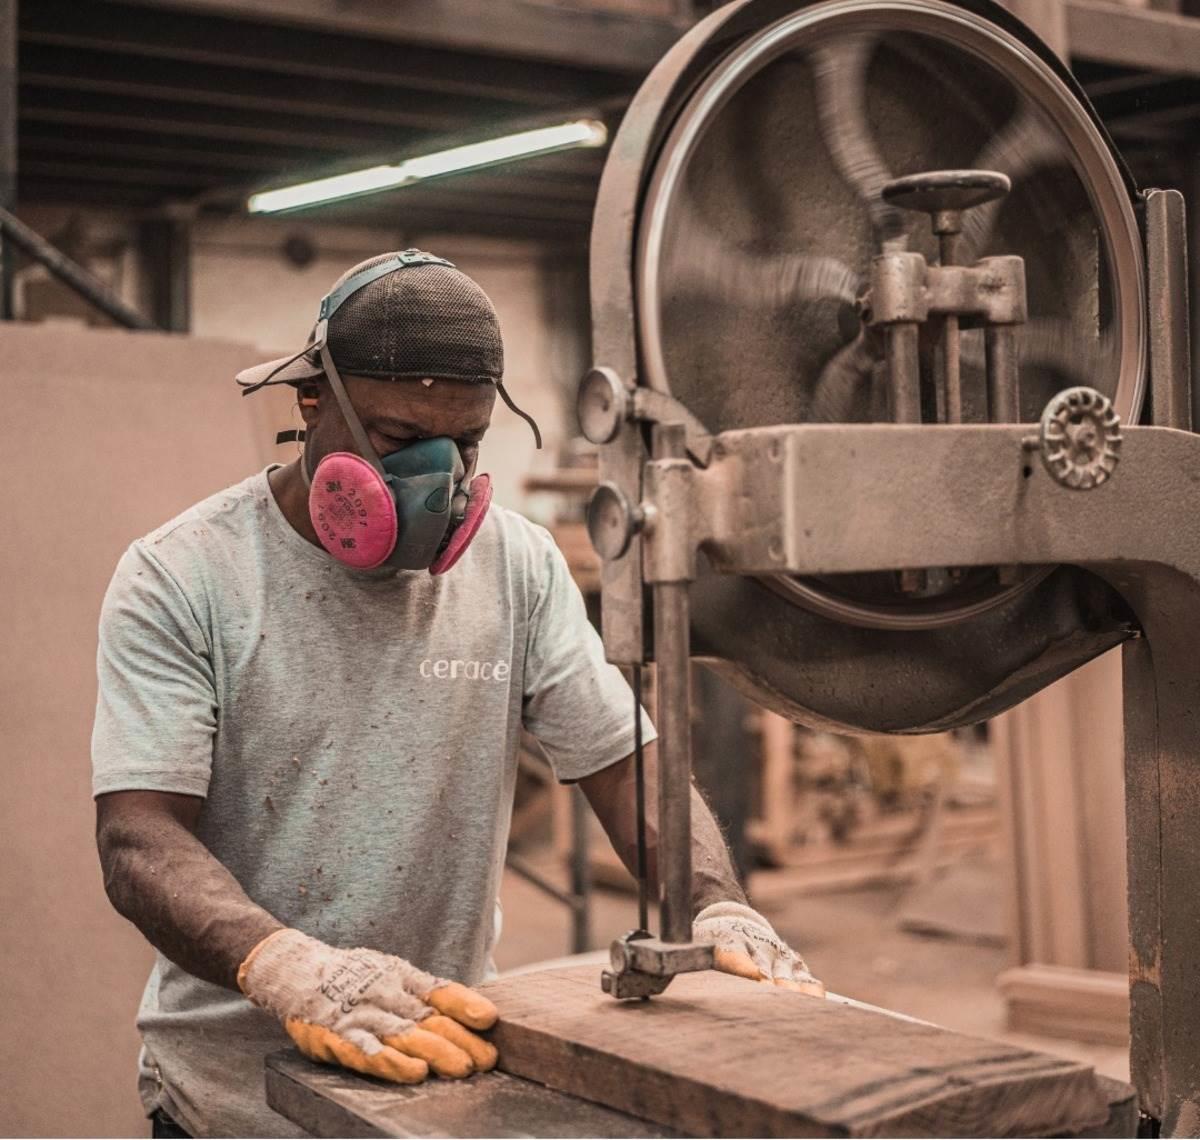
x: 312, y: 687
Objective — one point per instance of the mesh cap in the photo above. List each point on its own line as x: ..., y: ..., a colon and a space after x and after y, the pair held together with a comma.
x: 419, y: 320
x: 423, y: 320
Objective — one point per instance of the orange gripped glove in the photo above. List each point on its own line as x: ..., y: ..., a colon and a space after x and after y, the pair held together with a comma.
x: 368, y: 1011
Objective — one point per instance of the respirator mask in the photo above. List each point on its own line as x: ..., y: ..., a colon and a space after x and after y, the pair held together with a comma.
x: 407, y: 510
x: 415, y: 508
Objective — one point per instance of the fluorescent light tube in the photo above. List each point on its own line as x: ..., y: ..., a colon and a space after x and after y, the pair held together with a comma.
x: 526, y: 144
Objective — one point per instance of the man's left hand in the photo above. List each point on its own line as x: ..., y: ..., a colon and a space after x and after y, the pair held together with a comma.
x: 746, y: 944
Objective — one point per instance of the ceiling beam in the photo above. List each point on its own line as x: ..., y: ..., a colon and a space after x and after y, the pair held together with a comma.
x: 1175, y: 102
x: 45, y: 139
x: 410, y: 222
x: 160, y: 176
x: 1127, y: 37
x: 102, y: 163
x: 185, y: 122
x: 47, y: 192
x: 96, y: 72
x: 616, y: 40
x: 276, y: 49
x: 1117, y: 83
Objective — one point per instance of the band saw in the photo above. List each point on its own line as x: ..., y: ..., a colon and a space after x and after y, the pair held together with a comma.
x: 894, y: 408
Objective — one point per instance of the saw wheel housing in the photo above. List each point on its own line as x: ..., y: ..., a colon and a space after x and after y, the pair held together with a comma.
x: 756, y: 153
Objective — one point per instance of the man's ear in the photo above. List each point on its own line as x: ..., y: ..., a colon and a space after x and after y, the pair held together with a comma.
x: 308, y: 399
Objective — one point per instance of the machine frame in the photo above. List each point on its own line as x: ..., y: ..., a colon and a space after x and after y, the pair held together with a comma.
x: 814, y: 499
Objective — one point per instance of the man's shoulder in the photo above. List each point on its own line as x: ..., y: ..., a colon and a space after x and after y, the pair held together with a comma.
x: 513, y: 554
x: 519, y: 532
x: 521, y: 544
x: 225, y: 508
x: 199, y: 544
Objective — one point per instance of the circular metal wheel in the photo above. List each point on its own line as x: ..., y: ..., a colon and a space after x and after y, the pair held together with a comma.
x: 762, y: 210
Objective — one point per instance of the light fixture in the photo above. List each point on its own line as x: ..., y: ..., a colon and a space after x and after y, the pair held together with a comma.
x: 526, y: 144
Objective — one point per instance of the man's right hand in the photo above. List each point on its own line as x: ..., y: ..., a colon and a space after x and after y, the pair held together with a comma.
x: 368, y: 1011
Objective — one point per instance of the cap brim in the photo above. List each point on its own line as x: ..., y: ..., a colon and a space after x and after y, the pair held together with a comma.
x: 284, y: 370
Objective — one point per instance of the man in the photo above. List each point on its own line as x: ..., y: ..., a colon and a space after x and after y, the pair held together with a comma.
x: 311, y: 691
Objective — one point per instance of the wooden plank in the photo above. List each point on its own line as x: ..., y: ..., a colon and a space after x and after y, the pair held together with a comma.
x: 718, y: 1056
x: 1058, y: 1001
x: 1103, y: 32
x: 328, y: 1101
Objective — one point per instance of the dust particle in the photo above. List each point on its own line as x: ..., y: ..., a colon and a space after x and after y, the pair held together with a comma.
x: 324, y: 782
x: 268, y: 803
x: 327, y: 898
x: 320, y: 870
x: 296, y: 762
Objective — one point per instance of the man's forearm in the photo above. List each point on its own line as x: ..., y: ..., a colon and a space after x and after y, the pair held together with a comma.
x: 612, y: 794
x: 713, y: 876
x: 174, y: 890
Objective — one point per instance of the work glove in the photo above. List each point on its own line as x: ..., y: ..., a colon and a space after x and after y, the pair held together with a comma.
x: 746, y: 944
x: 368, y: 1011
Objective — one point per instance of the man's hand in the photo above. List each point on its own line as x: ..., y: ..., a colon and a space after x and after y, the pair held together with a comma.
x: 368, y: 1011
x: 746, y: 944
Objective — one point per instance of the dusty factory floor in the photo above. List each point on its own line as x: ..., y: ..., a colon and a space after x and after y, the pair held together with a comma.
x: 851, y: 938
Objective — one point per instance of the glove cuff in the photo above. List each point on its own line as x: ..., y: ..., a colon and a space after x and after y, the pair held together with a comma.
x: 274, y: 962
x: 731, y: 909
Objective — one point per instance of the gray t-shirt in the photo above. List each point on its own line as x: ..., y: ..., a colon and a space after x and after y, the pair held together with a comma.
x: 354, y: 736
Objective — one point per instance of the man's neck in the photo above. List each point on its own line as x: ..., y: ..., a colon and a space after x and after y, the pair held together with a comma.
x: 291, y: 493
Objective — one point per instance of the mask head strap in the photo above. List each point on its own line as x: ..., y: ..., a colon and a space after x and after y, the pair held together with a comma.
x: 343, y: 400
x: 331, y: 302
x: 537, y: 435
